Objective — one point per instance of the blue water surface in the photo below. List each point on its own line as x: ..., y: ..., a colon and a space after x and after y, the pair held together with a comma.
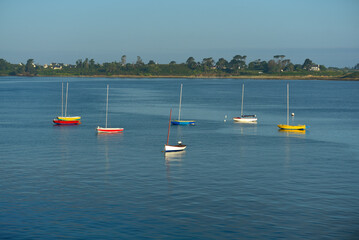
x: 234, y: 181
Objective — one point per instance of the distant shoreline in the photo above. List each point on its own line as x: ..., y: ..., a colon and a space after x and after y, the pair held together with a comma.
x: 264, y: 77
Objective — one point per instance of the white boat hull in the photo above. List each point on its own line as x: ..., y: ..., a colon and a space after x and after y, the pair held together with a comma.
x: 109, y: 130
x: 245, y: 120
x: 174, y: 148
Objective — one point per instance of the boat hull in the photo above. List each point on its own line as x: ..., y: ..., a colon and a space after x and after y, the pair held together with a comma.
x: 60, y: 122
x: 69, y: 118
x: 292, y: 131
x: 291, y: 127
x: 245, y: 119
x: 109, y: 130
x: 183, y: 122
x: 174, y: 148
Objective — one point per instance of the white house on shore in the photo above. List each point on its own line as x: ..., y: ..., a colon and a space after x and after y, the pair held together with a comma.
x: 315, y: 68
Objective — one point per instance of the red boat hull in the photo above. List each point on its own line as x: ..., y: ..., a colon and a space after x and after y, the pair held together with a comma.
x: 60, y: 122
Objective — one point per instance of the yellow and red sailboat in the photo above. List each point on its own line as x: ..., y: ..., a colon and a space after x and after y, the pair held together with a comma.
x: 66, y: 120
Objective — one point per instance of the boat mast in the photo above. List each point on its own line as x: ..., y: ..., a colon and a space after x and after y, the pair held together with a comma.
x: 287, y: 103
x: 106, y: 105
x: 179, y: 110
x: 62, y: 99
x: 67, y: 91
x: 169, y: 126
x: 242, y: 99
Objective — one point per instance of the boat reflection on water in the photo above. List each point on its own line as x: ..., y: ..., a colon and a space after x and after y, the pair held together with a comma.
x: 288, y: 132
x: 246, y: 128
x: 173, y: 161
x: 172, y: 157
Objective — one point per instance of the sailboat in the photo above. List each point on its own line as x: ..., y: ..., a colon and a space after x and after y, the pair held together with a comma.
x: 66, y: 120
x: 245, y: 118
x: 173, y: 148
x: 287, y: 126
x: 179, y: 121
x: 106, y: 129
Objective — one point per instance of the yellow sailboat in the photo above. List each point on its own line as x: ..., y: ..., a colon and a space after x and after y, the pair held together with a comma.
x: 287, y: 126
x: 69, y: 118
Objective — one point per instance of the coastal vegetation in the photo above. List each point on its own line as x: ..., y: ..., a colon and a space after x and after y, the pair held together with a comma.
x: 237, y: 67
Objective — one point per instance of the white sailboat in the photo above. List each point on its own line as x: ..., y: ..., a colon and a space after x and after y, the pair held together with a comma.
x: 173, y: 148
x: 106, y: 129
x: 245, y: 118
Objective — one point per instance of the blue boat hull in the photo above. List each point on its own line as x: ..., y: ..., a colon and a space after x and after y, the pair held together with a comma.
x: 183, y: 122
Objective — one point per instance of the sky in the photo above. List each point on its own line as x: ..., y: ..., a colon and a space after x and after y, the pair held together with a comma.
x: 325, y: 31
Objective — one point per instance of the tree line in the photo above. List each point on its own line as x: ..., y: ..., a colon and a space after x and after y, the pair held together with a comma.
x: 207, y: 67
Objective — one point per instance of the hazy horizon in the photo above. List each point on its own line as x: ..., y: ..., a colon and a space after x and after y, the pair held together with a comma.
x: 163, y: 31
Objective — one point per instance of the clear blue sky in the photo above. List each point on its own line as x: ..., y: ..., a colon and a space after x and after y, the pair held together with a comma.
x: 326, y: 31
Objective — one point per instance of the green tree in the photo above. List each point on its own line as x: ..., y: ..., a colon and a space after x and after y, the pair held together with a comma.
x: 208, y: 62
x: 273, y: 67
x: 86, y: 63
x: 298, y: 67
x: 139, y: 61
x: 238, y: 62
x: 307, y: 64
x: 151, y: 62
x: 92, y: 63
x: 286, y: 65
x: 222, y: 64
x: 279, y: 61
x: 255, y: 65
x: 123, y: 60
x: 19, y: 69
x: 289, y: 67
x: 79, y: 63
x: 109, y: 68
x: 191, y: 63
x: 4, y: 65
x: 29, y: 67
x: 322, y: 68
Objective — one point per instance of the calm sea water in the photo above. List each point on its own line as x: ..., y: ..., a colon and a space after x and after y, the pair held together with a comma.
x: 234, y: 181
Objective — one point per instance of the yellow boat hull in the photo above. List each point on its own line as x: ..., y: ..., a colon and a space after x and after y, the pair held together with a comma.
x: 290, y: 127
x: 69, y: 118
